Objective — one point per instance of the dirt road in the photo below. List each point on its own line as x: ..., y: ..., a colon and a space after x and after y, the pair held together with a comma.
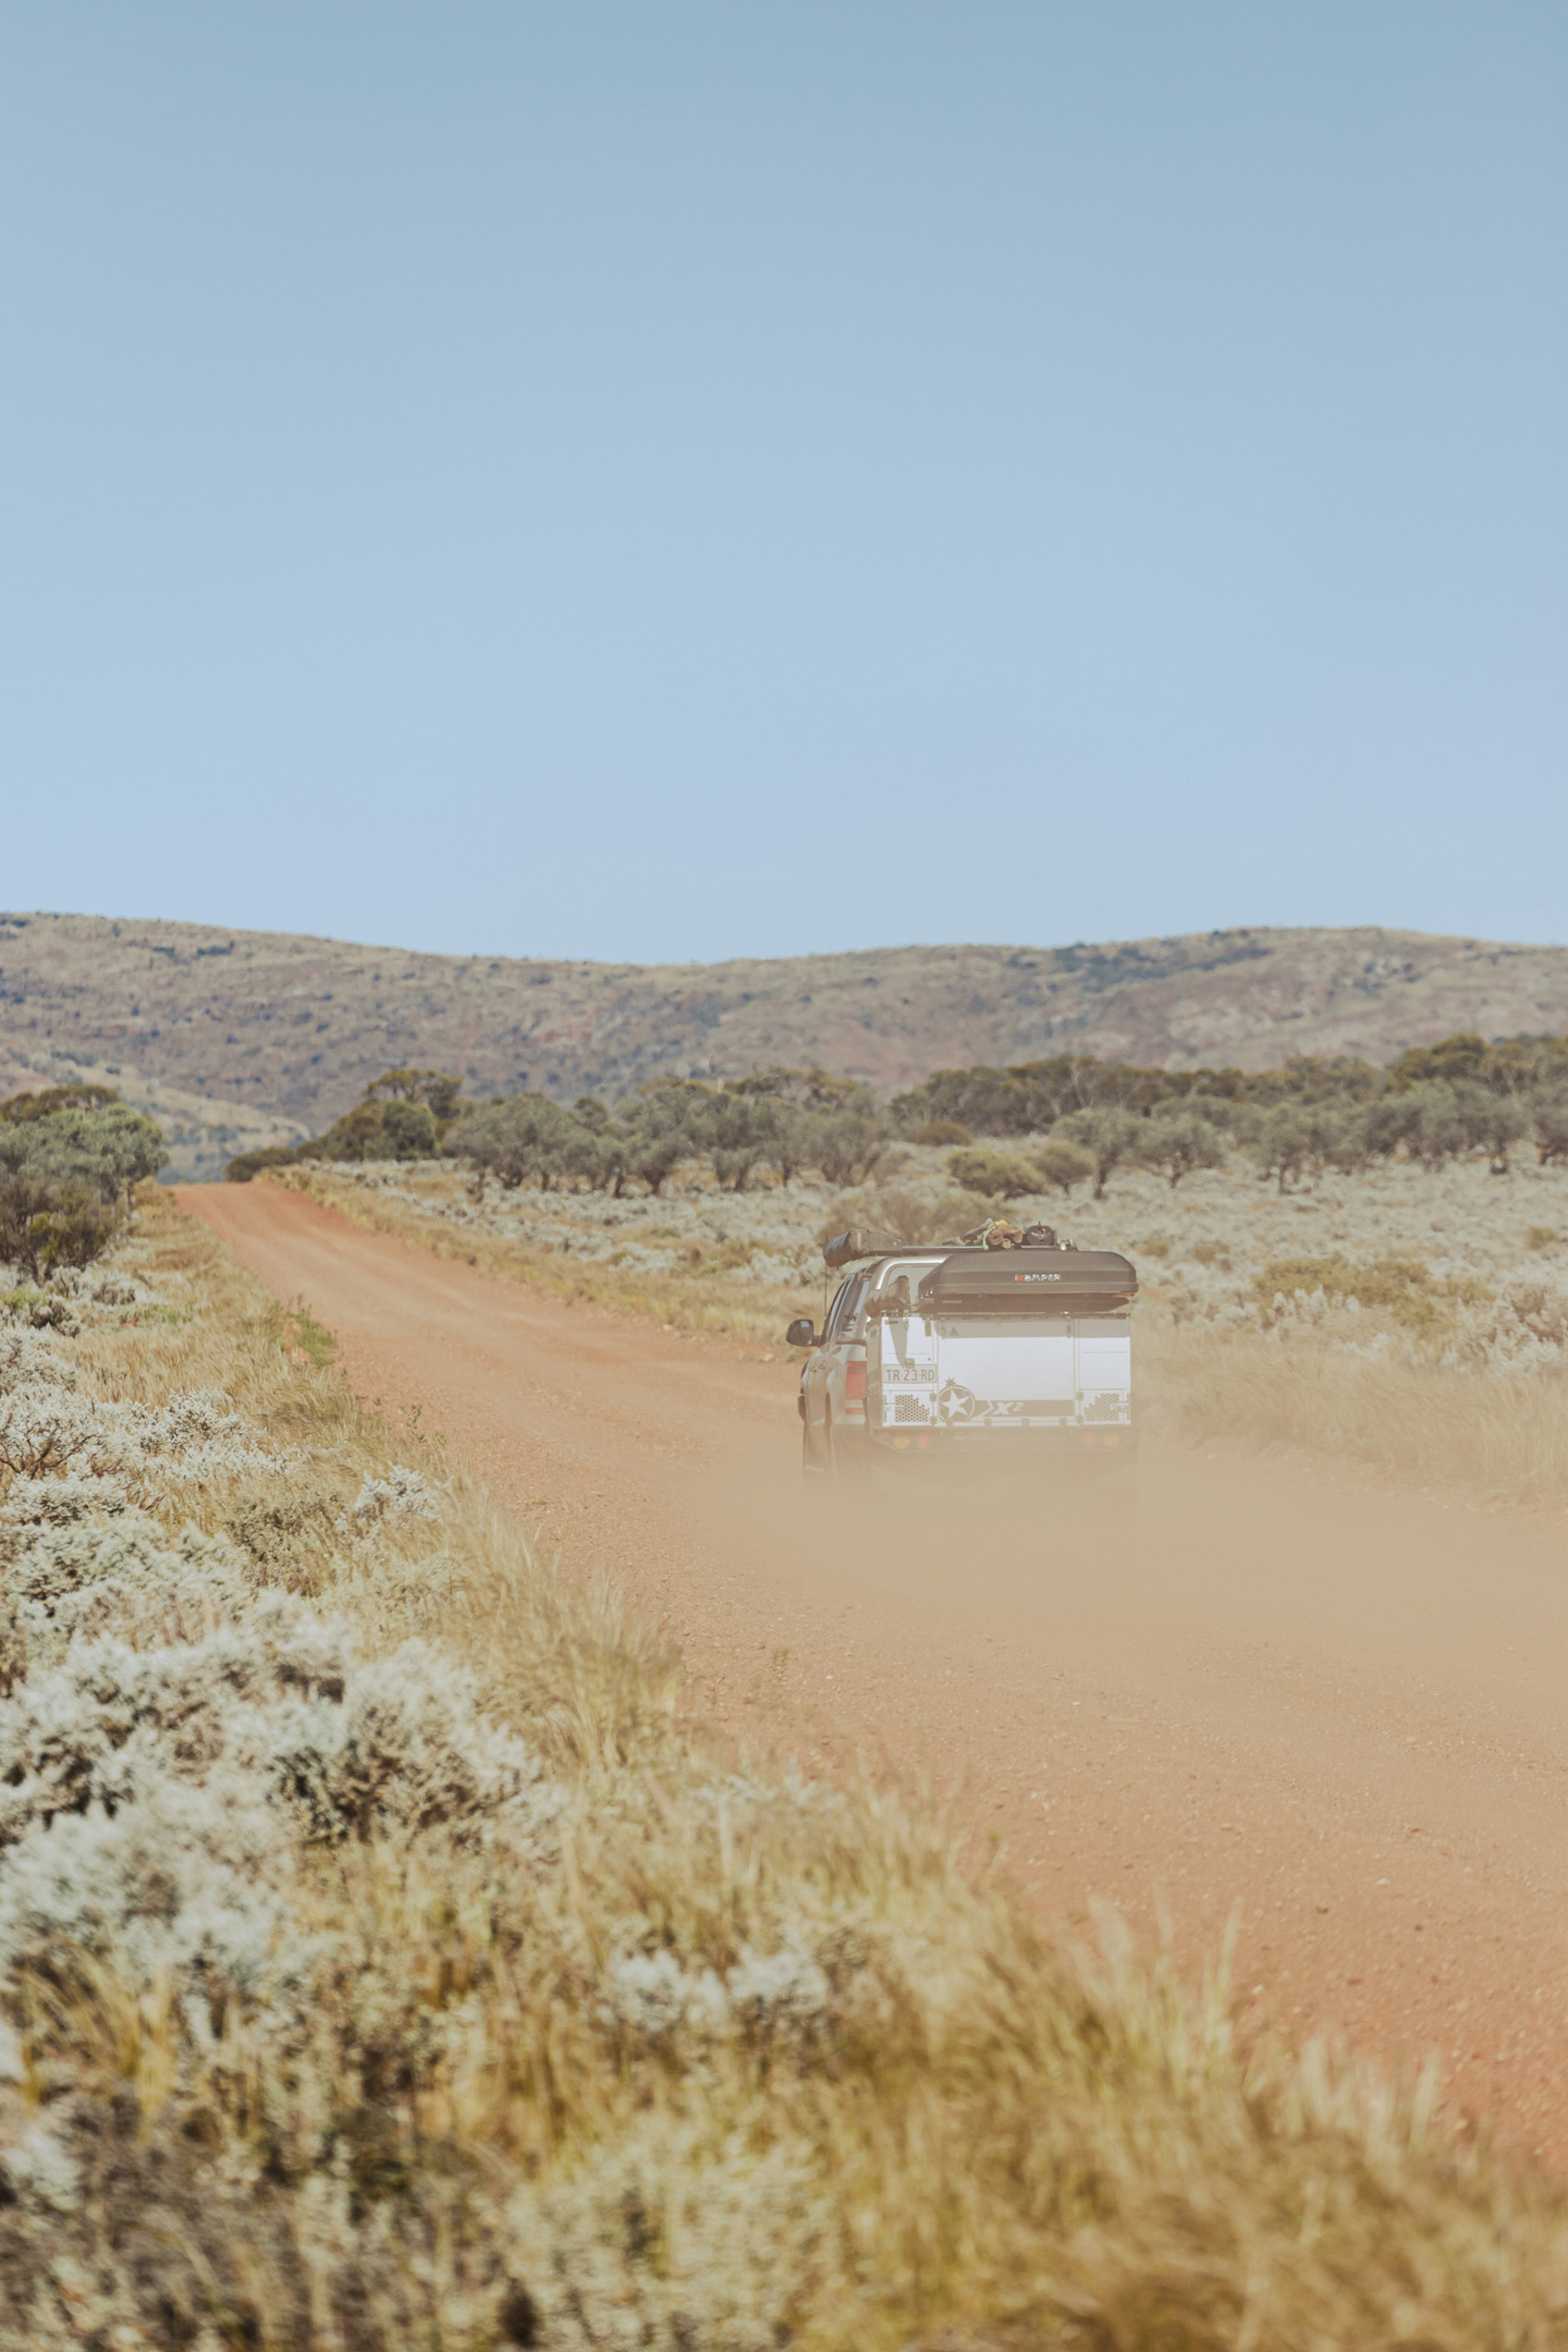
x: 1340, y: 1713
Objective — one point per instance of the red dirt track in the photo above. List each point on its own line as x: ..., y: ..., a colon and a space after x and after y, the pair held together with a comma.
x: 1340, y: 1712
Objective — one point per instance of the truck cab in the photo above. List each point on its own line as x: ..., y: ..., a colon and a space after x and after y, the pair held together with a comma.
x: 969, y: 1360
x: 835, y: 1381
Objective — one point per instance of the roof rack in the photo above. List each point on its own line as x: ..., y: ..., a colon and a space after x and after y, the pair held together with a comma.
x: 870, y: 1240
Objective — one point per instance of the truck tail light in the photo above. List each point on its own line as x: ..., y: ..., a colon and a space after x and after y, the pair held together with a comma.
x: 854, y: 1383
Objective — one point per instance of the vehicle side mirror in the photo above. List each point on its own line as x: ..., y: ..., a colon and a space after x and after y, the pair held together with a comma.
x: 800, y: 1333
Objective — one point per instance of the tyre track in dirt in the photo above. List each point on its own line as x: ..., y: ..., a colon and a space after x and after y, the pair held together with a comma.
x: 1338, y: 1713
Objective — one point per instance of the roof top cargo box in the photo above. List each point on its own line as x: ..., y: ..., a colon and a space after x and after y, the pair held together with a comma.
x: 1030, y: 1282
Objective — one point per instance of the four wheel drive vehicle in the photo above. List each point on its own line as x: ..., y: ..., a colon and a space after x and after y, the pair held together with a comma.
x: 973, y: 1358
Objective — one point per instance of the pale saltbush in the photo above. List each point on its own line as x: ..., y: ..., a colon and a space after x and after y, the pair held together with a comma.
x: 111, y: 1722
x: 41, y: 2171
x: 779, y: 1991
x: 118, y: 1290
x: 156, y: 1793
x: 1311, y: 1311
x: 651, y: 1996
x: 397, y: 1742
x: 48, y: 1425
x: 666, y: 2241
x: 89, y: 1579
x: 60, y: 1502
x: 403, y: 1747
x: 46, y: 1428
x: 198, y: 1437
x: 1524, y: 1328
x: 764, y: 1997
x: 180, y: 1882
x: 403, y: 1493
x: 27, y: 1360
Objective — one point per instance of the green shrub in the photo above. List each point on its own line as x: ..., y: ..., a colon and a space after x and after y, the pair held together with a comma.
x: 408, y: 1130
x: 1297, y: 1139
x: 1549, y: 1117
x: 738, y: 1131
x: 944, y: 1130
x: 69, y: 1162
x: 1109, y: 1136
x: 1436, y: 1128
x: 46, y: 1225
x: 107, y: 1147
x: 846, y: 1144
x: 436, y: 1090
x: 1402, y: 1288
x: 527, y: 1139
x: 402, y: 1115
x: 354, y: 1137
x: 1062, y: 1163
x: 994, y: 1175
x: 1028, y: 1096
x: 22, y: 1108
x: 1176, y: 1140
x: 902, y: 1209
x: 1493, y: 1122
x: 244, y: 1165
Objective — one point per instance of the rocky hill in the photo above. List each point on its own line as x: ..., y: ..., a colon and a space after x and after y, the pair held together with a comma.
x: 243, y: 1036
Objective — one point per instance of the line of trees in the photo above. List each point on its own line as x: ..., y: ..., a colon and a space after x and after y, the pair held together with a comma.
x: 403, y: 1115
x: 1029, y: 1097
x: 1435, y: 1104
x: 1082, y: 1119
x: 784, y: 1120
x: 1432, y: 1121
x: 70, y: 1159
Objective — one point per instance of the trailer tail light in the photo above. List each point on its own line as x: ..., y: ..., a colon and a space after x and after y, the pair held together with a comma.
x: 854, y: 1384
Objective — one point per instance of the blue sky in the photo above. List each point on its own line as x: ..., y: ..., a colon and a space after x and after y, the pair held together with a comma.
x: 675, y: 481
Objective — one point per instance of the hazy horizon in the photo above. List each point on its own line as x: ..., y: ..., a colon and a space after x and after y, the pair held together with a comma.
x: 854, y: 948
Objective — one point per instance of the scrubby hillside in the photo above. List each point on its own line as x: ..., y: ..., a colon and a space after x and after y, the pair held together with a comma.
x: 381, y: 1962
x: 287, y: 1031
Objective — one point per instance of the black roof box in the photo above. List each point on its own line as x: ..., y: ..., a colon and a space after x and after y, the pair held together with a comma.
x: 1030, y: 1282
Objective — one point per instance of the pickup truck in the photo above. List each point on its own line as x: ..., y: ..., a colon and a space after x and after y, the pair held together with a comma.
x: 972, y: 1359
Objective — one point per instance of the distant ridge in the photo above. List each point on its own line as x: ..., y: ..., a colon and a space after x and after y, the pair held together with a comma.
x: 280, y: 1033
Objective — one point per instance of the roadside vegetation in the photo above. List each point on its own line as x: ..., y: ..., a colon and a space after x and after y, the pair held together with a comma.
x: 1066, y: 1122
x: 70, y: 1159
x: 1373, y: 1264
x: 385, y: 1961
x: 775, y: 1123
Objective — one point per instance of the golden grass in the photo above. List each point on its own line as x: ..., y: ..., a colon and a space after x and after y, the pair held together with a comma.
x: 937, y: 2128
x: 1507, y: 1436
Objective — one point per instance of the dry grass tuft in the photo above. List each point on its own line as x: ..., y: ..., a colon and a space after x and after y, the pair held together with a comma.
x: 1506, y: 1437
